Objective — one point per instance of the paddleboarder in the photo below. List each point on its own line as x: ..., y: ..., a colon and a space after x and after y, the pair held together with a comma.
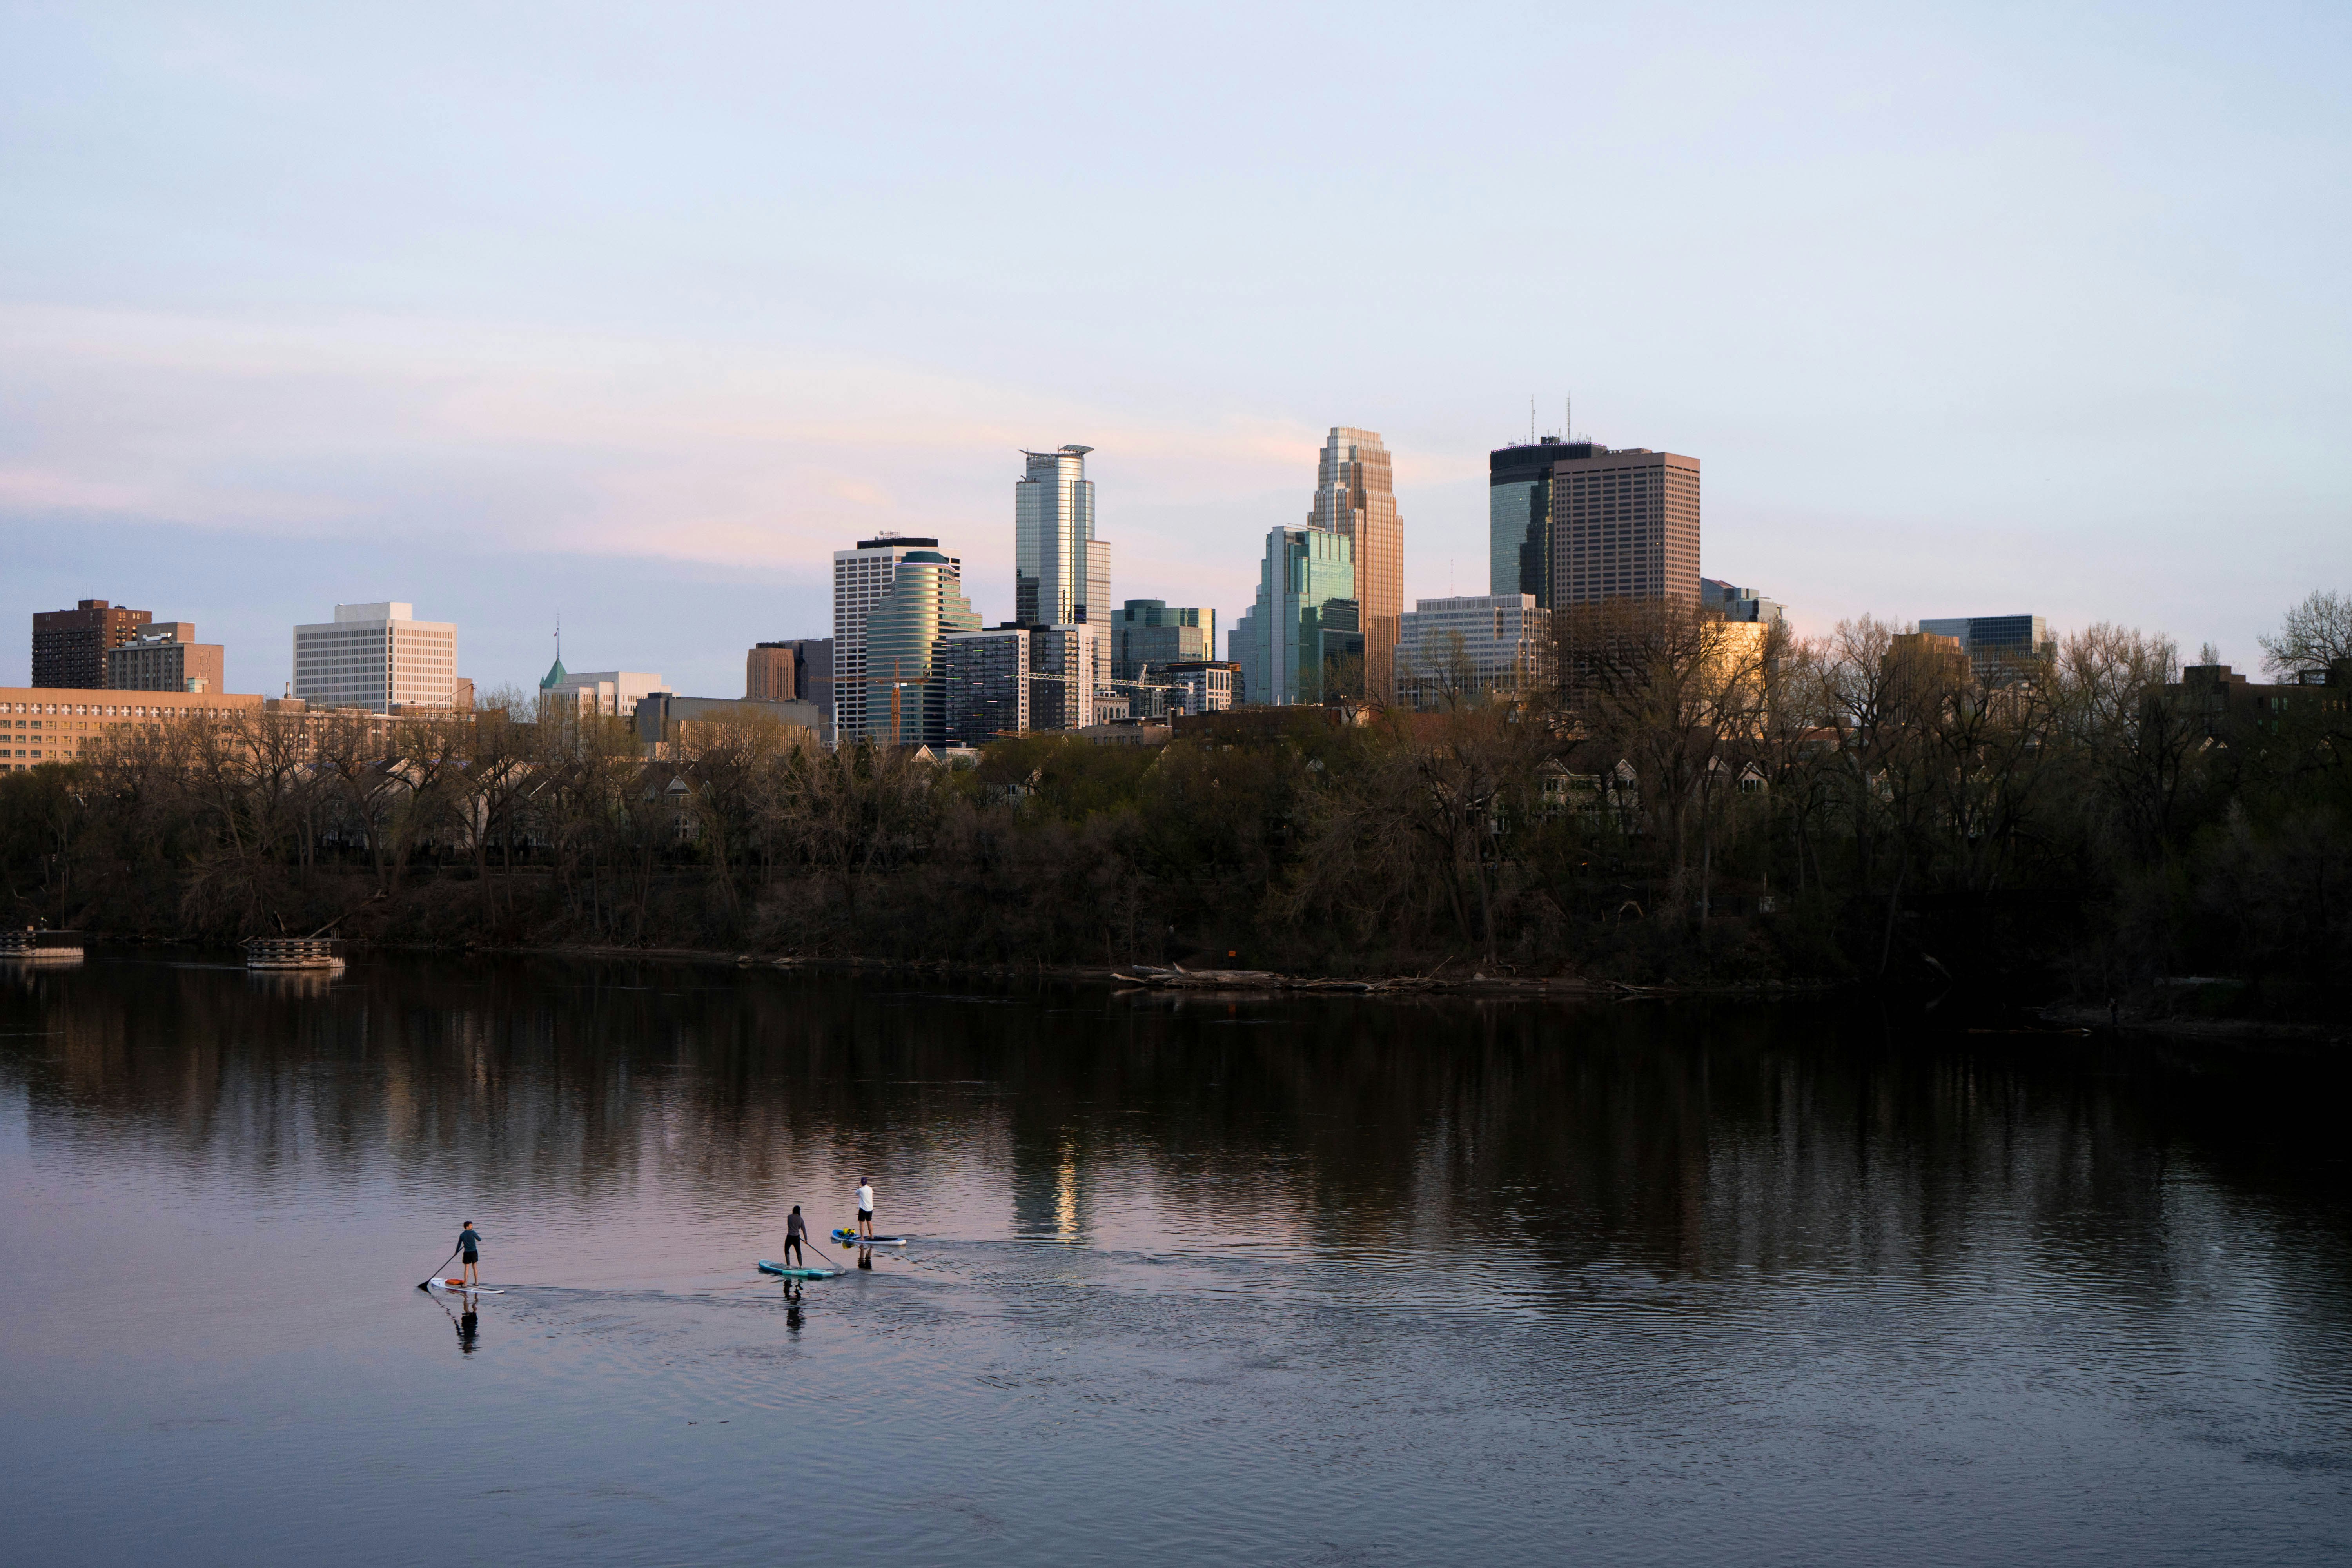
x: 469, y: 1250
x: 795, y: 1228
x: 864, y: 1205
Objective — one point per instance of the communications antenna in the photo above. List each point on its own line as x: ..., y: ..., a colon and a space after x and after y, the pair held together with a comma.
x: 1531, y: 421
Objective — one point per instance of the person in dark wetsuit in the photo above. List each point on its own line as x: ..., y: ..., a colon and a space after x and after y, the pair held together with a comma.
x: 469, y: 1253
x: 795, y: 1228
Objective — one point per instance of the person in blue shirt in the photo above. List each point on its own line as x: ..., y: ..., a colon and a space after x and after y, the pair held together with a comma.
x: 469, y: 1250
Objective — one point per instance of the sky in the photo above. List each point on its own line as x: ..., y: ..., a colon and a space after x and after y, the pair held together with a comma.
x: 630, y: 316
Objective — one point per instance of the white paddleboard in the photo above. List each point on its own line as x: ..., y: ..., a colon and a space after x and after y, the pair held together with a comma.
x: 869, y: 1240
x: 459, y: 1287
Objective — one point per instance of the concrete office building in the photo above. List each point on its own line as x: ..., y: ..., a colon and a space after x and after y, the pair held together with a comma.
x: 166, y: 657
x: 860, y: 578
x: 1305, y: 620
x: 1061, y: 572
x: 70, y: 646
x: 1355, y: 496
x: 924, y: 601
x: 376, y: 657
x: 1151, y: 633
x: 1206, y: 685
x: 1999, y: 645
x: 1474, y: 646
x: 613, y: 692
x: 55, y: 724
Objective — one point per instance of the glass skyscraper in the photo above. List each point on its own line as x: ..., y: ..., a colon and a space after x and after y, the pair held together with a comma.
x: 924, y: 602
x: 1061, y: 572
x: 1306, y: 620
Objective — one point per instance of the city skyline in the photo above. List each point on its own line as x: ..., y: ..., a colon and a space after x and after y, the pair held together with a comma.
x: 267, y: 352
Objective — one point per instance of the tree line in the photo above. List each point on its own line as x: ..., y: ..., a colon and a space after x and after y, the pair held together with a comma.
x: 1692, y: 800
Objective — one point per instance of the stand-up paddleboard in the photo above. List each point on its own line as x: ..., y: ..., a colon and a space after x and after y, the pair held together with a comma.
x: 851, y: 1238
x: 459, y: 1287
x: 792, y: 1273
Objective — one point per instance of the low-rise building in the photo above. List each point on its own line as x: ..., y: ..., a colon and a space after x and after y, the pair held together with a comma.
x: 1206, y: 685
x: 59, y: 724
x: 2000, y: 647
x: 166, y: 657
x: 1151, y: 633
x: 1474, y: 646
x: 664, y: 719
x: 613, y: 692
x: 1736, y: 604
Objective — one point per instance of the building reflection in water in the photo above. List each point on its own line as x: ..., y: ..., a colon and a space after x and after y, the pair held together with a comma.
x: 1681, y: 1141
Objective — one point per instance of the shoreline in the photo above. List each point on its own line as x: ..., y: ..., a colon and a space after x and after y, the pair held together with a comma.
x: 2059, y: 1018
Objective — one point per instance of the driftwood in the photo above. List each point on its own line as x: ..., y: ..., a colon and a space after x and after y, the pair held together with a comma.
x: 1180, y: 978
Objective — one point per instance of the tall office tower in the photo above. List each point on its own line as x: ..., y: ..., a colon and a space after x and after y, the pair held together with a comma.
x: 1355, y: 495
x: 902, y: 637
x: 1519, y: 515
x: 1998, y: 647
x: 374, y: 656
x: 1061, y: 572
x: 1305, y: 621
x: 1461, y: 647
x: 1151, y: 633
x: 860, y: 578
x: 166, y: 657
x: 69, y: 646
x: 1625, y: 526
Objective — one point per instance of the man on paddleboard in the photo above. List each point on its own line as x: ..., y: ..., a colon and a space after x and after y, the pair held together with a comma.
x: 866, y: 1205
x: 795, y: 1228
x: 469, y: 1250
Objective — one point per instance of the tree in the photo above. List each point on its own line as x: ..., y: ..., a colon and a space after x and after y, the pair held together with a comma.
x: 2313, y: 636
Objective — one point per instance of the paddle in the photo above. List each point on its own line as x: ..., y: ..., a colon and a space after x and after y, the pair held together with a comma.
x: 426, y: 1283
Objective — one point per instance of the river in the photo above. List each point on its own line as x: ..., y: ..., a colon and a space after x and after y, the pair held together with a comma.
x: 1327, y: 1281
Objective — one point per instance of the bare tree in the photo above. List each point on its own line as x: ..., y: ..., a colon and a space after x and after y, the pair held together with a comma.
x: 2312, y: 636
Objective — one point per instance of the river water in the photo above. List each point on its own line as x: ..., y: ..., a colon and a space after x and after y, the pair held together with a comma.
x: 1338, y: 1281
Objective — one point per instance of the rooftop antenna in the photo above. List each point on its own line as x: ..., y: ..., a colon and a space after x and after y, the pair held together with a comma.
x: 1531, y: 421
x: 1568, y: 418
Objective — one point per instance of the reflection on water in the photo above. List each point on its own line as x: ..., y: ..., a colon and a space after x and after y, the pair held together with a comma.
x: 1355, y: 1282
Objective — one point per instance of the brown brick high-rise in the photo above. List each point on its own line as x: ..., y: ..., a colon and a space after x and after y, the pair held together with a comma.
x: 1625, y: 526
x: 69, y: 646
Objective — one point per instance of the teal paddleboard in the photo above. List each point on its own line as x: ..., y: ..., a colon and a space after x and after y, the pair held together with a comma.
x: 791, y: 1273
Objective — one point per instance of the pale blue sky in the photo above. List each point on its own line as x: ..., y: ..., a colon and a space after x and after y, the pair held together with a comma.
x: 639, y: 314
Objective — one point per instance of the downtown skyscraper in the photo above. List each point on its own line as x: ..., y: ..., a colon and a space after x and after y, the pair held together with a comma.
x: 1573, y: 523
x: 1355, y: 496
x: 860, y: 579
x: 1061, y: 572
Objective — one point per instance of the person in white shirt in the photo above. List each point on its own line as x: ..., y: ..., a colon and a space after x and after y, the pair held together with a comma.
x: 866, y: 1205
